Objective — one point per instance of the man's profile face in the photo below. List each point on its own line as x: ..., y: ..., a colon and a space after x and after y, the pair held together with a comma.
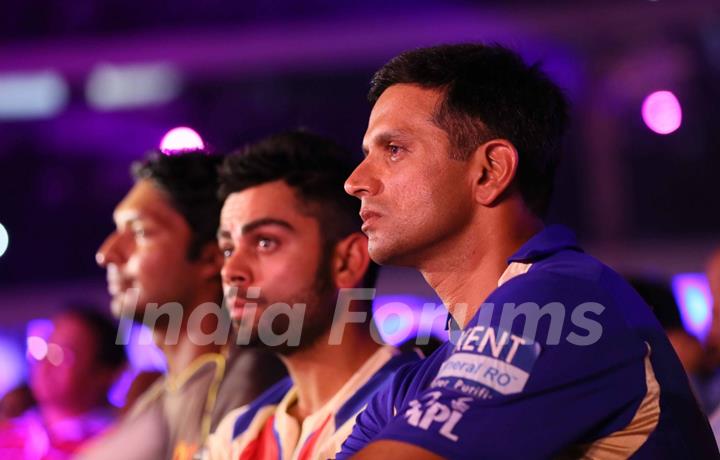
x: 415, y: 198
x: 146, y: 254
x: 274, y: 247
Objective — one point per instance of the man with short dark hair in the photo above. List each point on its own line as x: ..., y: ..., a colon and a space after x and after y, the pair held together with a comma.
x: 293, y: 248
x: 557, y: 356
x: 163, y: 268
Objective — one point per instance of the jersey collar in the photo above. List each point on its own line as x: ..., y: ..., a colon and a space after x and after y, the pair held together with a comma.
x: 550, y: 240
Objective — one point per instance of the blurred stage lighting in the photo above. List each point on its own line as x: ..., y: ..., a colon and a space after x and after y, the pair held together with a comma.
x: 4, y: 240
x: 661, y: 112
x: 27, y: 96
x: 115, y: 87
x: 12, y: 364
x: 181, y: 139
x: 142, y: 352
x: 143, y: 355
x: 692, y: 293
x: 37, y: 347
x: 400, y: 318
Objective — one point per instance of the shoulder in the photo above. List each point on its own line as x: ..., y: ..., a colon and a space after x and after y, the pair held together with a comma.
x: 413, y: 377
x: 571, y: 285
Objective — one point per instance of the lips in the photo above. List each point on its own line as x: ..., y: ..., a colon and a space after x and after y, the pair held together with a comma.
x: 117, y: 285
x: 238, y: 306
x: 369, y: 217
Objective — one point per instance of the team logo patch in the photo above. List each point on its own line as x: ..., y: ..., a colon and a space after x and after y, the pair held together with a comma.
x: 428, y: 413
x: 488, y: 361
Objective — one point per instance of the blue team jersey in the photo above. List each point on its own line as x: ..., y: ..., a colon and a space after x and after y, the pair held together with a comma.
x: 563, y: 360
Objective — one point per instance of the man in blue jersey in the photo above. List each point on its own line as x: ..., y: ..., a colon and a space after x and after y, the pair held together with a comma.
x: 555, y: 355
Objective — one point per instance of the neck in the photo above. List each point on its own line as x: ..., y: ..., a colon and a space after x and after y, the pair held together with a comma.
x: 319, y: 371
x: 467, y: 268
x: 181, y: 353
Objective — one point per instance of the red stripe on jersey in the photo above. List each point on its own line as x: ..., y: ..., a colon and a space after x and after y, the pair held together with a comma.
x: 265, y: 446
x: 309, y: 445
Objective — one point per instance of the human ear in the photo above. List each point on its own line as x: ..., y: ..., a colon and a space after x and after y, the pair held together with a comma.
x: 495, y: 164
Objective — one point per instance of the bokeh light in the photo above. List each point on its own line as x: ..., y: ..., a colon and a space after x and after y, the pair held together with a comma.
x: 661, y: 112
x: 692, y: 293
x: 4, y: 240
x: 37, y: 347
x: 181, y: 139
x: 12, y: 364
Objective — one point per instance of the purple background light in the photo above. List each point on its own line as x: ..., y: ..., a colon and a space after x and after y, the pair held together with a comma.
x: 692, y: 294
x: 143, y: 355
x: 661, y: 112
x: 181, y: 139
x: 402, y: 317
x: 12, y: 364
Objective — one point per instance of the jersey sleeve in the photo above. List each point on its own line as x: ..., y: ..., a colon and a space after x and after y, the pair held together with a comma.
x: 367, y: 424
x: 564, y: 375
x: 379, y: 412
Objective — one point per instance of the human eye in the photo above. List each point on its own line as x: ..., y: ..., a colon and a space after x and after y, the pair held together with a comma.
x: 394, y: 151
x: 266, y: 243
x: 226, y: 251
x: 138, y: 231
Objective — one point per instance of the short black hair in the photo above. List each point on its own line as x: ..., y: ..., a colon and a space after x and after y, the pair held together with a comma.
x: 314, y: 167
x: 109, y: 353
x: 489, y: 92
x: 190, y: 179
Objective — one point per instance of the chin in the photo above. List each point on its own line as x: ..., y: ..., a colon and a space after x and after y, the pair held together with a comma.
x: 378, y: 255
x: 384, y: 255
x: 380, y: 250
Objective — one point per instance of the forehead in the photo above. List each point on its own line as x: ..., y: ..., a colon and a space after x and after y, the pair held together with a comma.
x: 275, y: 200
x: 70, y: 330
x: 147, y: 201
x: 405, y: 106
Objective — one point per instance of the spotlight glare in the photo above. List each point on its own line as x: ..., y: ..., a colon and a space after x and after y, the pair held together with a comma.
x: 4, y: 240
x: 181, y: 139
x: 661, y: 112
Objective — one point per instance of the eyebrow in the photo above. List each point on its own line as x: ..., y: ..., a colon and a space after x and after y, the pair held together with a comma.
x: 385, y: 137
x: 128, y: 220
x: 254, y: 225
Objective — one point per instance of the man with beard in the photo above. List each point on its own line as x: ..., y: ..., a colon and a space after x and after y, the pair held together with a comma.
x: 558, y: 357
x: 163, y: 254
x: 291, y: 238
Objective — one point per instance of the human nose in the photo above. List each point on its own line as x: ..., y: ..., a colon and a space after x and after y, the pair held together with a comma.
x: 363, y: 180
x: 236, y: 271
x: 110, y: 251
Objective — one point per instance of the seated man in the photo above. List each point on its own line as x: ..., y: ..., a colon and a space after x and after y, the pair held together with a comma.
x: 163, y: 269
x: 70, y: 376
x: 290, y: 236
x: 557, y: 356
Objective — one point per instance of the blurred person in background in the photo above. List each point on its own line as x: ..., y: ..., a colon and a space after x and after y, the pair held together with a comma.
x: 710, y: 385
x: 70, y: 377
x: 164, y: 252
x: 16, y: 401
x: 659, y: 295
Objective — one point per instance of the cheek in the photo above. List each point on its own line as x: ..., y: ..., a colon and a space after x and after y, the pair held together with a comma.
x: 153, y: 263
x: 287, y: 275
